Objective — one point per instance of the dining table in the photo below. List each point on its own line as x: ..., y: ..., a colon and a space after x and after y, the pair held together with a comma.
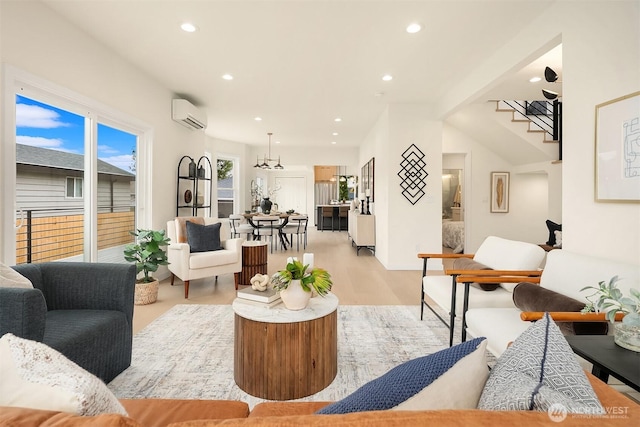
x: 283, y: 216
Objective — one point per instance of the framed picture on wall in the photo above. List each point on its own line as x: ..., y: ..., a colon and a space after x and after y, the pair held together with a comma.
x: 364, y: 182
x: 500, y: 192
x: 617, y: 160
x: 372, y: 170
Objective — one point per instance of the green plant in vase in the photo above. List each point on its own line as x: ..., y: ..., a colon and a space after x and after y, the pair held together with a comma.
x: 295, y: 284
x: 611, y: 301
x: 147, y: 252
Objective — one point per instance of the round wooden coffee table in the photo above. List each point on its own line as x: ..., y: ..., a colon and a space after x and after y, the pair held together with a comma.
x: 281, y: 354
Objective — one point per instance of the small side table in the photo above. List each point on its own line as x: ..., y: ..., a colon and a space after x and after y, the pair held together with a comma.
x: 254, y: 260
x: 608, y: 358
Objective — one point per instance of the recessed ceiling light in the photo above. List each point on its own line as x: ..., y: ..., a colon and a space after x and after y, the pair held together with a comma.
x: 277, y: 142
x: 387, y: 77
x: 535, y: 79
x: 335, y: 134
x: 333, y: 142
x: 414, y: 28
x: 378, y: 94
x: 257, y: 119
x: 227, y: 77
x: 188, y: 27
x: 337, y: 119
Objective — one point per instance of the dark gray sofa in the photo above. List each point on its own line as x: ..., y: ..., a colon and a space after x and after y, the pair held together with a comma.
x: 83, y: 310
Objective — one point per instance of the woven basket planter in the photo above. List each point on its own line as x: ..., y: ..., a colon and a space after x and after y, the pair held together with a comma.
x: 146, y: 293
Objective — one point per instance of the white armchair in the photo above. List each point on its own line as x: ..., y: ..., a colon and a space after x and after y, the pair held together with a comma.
x: 189, y: 265
x: 495, y: 256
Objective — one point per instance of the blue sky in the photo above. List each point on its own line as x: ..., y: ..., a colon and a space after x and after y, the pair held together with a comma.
x: 42, y: 125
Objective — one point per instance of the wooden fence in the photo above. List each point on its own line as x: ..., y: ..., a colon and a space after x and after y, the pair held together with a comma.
x: 56, y: 237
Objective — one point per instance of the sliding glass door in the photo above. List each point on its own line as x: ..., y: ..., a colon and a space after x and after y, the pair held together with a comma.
x: 75, y: 175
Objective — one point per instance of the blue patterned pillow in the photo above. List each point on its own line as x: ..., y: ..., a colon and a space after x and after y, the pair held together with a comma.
x: 402, y: 382
x: 203, y: 238
x: 539, y: 371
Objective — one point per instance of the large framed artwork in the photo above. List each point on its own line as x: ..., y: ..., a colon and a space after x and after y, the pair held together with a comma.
x: 617, y: 156
x: 500, y: 192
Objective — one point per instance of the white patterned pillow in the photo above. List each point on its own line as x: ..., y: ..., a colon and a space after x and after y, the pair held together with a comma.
x: 539, y: 372
x: 33, y: 375
x: 9, y: 278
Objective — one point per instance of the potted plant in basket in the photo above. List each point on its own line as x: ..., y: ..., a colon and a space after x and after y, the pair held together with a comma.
x: 148, y: 255
x: 295, y: 284
x: 611, y: 301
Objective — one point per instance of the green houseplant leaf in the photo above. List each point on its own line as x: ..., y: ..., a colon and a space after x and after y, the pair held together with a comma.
x: 609, y: 300
x: 317, y: 279
x: 147, y: 252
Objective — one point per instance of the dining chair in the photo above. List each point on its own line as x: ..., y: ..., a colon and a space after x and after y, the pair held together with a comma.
x: 297, y: 225
x: 327, y: 212
x: 237, y: 228
x: 343, y: 217
x: 267, y: 226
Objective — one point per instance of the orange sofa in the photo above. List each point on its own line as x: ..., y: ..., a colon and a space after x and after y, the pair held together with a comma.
x: 622, y: 411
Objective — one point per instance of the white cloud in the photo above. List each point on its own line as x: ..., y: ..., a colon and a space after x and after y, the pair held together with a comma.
x: 122, y: 161
x: 34, y: 116
x: 38, y: 141
x: 106, y: 149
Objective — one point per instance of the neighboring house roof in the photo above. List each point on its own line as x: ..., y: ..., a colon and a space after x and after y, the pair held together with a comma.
x: 45, y: 157
x: 225, y: 188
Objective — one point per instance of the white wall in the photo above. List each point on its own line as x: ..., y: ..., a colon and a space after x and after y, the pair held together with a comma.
x: 403, y: 229
x: 38, y: 41
x: 479, y: 221
x: 601, y: 49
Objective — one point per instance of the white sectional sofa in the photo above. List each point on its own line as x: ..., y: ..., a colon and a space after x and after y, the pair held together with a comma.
x: 565, y: 273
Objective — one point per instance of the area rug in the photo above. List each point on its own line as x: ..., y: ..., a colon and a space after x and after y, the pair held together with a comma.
x: 187, y: 353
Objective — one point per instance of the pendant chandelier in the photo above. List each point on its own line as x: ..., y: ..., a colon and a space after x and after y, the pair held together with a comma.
x: 267, y: 159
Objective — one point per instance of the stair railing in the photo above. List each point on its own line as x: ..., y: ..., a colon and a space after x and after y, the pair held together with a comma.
x: 537, y: 112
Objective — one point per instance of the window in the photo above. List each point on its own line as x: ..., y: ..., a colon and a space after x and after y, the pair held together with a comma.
x: 226, y: 187
x: 75, y: 162
x: 74, y: 188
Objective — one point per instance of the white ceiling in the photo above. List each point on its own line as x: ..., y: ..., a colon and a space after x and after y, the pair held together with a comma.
x: 301, y: 64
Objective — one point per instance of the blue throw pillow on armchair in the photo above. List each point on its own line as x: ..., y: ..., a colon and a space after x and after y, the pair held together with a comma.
x: 203, y: 238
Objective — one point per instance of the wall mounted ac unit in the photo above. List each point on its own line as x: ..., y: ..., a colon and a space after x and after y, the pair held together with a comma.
x: 187, y: 114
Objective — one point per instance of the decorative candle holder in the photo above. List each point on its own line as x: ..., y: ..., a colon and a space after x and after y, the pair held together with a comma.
x: 362, y: 209
x: 368, y: 211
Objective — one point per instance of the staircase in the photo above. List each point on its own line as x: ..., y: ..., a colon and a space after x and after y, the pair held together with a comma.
x: 539, y: 117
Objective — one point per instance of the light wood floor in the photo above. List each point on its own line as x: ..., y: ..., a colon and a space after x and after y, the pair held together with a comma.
x: 357, y: 280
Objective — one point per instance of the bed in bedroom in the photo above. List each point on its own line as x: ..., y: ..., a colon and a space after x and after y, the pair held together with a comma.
x: 453, y: 235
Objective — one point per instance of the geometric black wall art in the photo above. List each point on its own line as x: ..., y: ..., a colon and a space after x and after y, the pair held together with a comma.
x: 413, y: 174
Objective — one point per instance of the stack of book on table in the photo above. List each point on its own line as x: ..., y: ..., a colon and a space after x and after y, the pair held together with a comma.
x: 267, y: 298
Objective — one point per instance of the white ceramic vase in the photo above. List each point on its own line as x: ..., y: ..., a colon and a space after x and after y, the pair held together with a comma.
x: 294, y: 297
x: 627, y: 336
